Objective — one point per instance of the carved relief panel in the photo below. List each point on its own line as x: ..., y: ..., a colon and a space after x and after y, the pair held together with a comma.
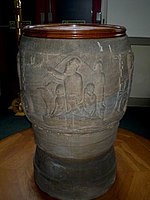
x: 74, y: 86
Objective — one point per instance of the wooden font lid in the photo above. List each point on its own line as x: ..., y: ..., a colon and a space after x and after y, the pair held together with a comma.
x: 74, y: 31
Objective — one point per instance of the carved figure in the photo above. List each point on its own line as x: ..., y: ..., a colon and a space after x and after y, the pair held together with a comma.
x: 90, y: 99
x: 101, y: 81
x: 73, y: 83
x: 59, y: 101
x: 47, y: 98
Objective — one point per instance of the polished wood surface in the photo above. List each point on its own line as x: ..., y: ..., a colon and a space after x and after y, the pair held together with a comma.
x: 16, y: 168
x: 74, y: 31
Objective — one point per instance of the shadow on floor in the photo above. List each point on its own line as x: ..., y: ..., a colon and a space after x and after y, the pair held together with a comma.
x: 136, y: 119
x: 10, y: 124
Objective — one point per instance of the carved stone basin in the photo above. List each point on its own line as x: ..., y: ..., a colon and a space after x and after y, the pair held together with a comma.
x: 75, y: 82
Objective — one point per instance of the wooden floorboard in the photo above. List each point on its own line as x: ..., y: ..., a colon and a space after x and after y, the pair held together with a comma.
x: 133, y: 168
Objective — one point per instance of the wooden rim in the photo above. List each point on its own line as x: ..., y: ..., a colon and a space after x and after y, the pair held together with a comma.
x: 74, y: 31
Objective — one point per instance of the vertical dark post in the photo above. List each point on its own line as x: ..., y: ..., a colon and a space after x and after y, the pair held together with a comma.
x: 96, y: 4
x: 18, y: 18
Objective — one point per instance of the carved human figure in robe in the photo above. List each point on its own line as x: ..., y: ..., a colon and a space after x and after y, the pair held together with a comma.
x: 90, y: 99
x: 59, y: 107
x: 72, y: 81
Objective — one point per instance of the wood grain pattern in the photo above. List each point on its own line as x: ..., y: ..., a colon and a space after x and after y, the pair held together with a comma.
x: 16, y: 168
x: 74, y: 31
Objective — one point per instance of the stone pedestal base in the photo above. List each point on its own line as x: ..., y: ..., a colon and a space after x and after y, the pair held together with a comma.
x: 72, y: 179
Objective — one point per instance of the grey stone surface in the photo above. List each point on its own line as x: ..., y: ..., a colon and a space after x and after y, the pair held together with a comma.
x: 75, y: 91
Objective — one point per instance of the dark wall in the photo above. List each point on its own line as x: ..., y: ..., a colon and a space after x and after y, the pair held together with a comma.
x: 29, y: 10
x: 73, y: 10
x: 9, y: 84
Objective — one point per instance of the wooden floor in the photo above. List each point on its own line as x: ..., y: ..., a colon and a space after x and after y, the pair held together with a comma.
x: 133, y: 168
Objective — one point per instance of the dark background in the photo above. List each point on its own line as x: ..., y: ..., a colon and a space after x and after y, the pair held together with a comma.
x: 31, y: 9
x: 74, y: 10
x: 9, y: 84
